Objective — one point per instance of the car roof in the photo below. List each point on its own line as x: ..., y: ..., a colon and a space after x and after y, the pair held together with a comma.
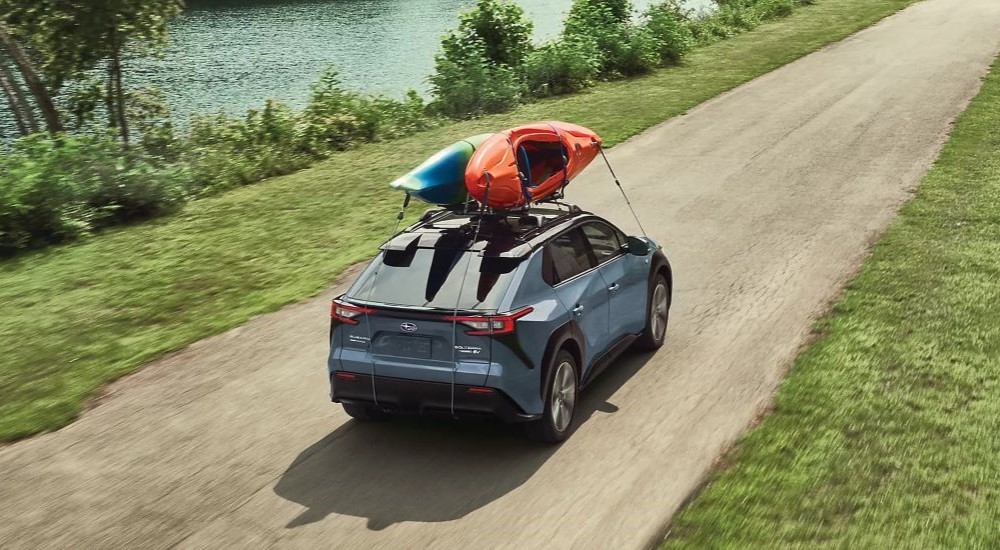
x: 509, y: 234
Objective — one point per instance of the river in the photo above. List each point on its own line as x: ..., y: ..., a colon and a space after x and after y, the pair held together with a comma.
x: 234, y: 54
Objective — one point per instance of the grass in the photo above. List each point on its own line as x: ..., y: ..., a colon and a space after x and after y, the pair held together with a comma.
x: 885, y: 432
x: 78, y: 316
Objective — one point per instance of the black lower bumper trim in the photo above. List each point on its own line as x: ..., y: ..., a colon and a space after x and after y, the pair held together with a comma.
x: 417, y: 397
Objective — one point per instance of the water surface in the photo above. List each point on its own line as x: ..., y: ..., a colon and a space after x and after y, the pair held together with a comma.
x: 233, y: 54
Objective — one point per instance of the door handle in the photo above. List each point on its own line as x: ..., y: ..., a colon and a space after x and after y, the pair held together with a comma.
x: 578, y: 310
x: 614, y: 287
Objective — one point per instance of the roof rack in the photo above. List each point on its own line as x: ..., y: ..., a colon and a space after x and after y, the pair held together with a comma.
x: 433, y: 213
x: 474, y: 210
x: 525, y: 224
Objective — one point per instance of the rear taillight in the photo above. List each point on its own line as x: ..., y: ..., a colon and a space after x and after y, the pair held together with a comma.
x: 347, y: 313
x: 486, y: 325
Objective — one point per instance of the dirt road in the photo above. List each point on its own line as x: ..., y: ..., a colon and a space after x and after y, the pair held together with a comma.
x: 766, y: 199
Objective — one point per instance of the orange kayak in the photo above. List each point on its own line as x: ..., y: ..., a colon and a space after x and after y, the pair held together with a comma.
x: 529, y: 163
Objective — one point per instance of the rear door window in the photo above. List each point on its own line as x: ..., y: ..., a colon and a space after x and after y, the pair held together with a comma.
x: 604, y: 240
x: 566, y: 256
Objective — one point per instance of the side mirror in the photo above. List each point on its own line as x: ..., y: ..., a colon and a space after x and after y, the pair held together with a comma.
x: 636, y: 246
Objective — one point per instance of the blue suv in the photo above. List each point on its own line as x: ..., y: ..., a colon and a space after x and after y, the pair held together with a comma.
x: 502, y: 315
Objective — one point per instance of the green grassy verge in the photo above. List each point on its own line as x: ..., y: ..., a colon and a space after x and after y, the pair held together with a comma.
x: 885, y: 432
x: 77, y: 316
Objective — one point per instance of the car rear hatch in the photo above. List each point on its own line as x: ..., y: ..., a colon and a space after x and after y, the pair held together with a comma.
x: 425, y: 311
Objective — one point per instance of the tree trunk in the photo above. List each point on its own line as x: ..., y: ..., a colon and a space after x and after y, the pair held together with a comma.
x: 120, y: 97
x: 109, y: 97
x: 116, y: 87
x: 19, y: 107
x: 42, y: 97
x: 15, y: 108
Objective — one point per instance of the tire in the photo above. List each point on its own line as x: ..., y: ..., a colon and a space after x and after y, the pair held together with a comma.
x: 364, y: 413
x: 657, y: 315
x: 561, y: 397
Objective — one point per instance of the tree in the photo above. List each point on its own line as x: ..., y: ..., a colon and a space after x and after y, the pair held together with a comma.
x: 24, y: 116
x: 43, y: 98
x: 68, y: 39
x: 140, y: 23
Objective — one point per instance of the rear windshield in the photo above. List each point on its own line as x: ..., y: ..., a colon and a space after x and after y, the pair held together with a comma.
x: 433, y: 278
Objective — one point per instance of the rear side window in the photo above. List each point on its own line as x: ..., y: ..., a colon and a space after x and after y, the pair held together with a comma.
x: 566, y: 256
x: 604, y: 240
x: 443, y: 278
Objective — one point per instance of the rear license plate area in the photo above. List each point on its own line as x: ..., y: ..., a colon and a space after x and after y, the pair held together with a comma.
x: 402, y: 345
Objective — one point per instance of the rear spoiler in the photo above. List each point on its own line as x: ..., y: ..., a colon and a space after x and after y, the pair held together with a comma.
x: 409, y: 242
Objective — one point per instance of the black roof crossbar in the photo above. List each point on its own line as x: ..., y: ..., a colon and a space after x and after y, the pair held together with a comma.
x: 518, y: 230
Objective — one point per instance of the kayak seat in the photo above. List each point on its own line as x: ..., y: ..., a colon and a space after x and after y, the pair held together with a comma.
x: 539, y: 161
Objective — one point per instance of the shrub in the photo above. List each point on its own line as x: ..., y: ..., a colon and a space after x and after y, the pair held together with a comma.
x: 224, y: 151
x: 736, y: 16
x: 560, y: 67
x: 584, y: 14
x: 58, y: 189
x: 336, y: 119
x: 214, y: 149
x: 641, y: 54
x: 402, y: 118
x: 624, y: 48
x: 271, y: 142
x: 503, y: 29
x: 148, y: 114
x: 668, y: 24
x: 739, y: 16
x: 773, y: 9
x: 465, y: 84
x: 709, y: 29
x: 600, y: 23
x: 476, y: 71
x: 142, y: 189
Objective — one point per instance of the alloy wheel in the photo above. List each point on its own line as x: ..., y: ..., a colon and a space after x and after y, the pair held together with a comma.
x: 658, y: 311
x: 563, y: 398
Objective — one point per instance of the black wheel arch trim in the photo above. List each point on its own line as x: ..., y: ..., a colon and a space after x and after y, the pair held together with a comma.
x: 661, y: 263
x: 569, y: 333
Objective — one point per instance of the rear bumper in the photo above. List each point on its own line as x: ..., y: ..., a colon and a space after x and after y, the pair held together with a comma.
x: 417, y: 397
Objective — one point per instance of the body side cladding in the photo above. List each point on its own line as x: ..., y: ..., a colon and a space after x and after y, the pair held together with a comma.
x: 608, y: 357
x: 512, y: 343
